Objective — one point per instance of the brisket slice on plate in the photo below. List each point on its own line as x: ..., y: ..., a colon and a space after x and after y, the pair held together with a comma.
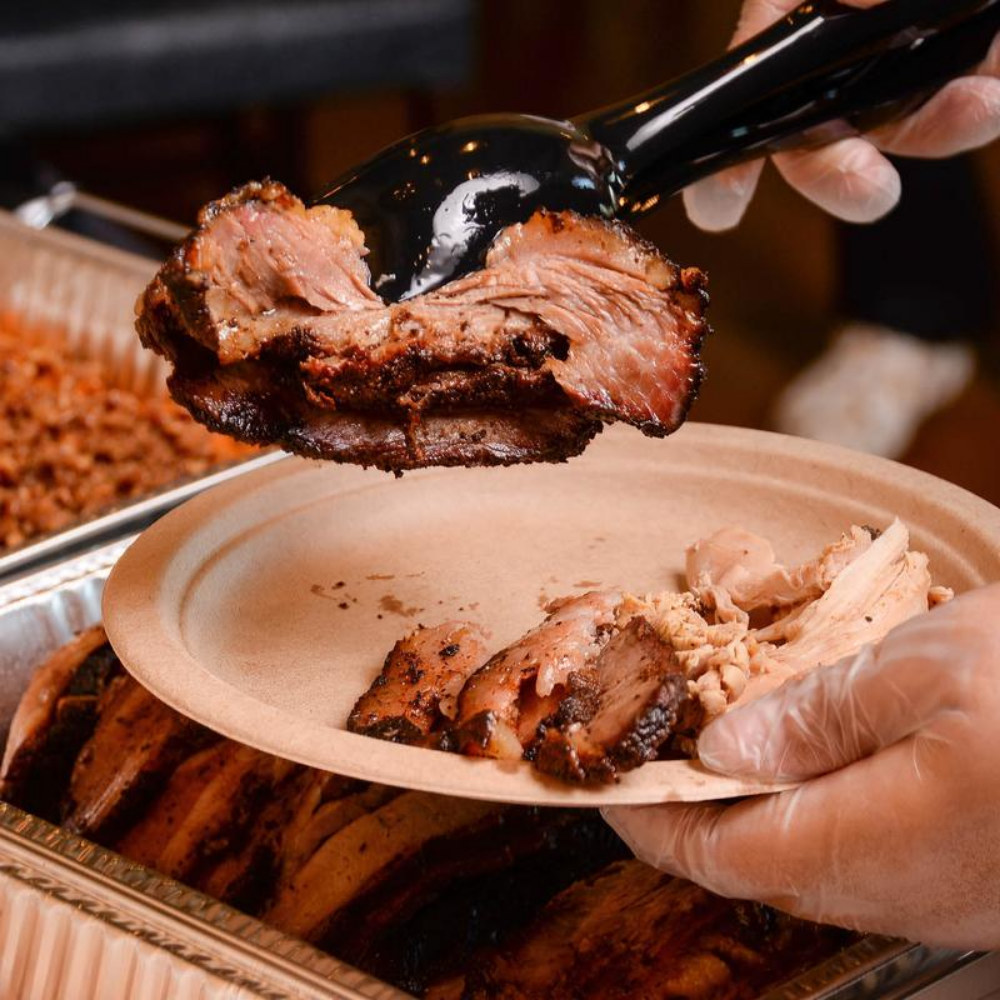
x: 590, y: 693
x: 420, y: 682
x: 502, y: 704
x: 275, y: 336
x: 638, y: 694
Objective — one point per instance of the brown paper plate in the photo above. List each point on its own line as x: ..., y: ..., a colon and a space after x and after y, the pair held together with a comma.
x: 265, y: 607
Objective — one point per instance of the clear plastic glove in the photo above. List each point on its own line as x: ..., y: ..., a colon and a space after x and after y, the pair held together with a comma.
x: 896, y: 829
x: 851, y: 179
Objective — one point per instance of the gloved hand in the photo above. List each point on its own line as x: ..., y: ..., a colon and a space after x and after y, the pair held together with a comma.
x: 896, y: 829
x: 850, y: 178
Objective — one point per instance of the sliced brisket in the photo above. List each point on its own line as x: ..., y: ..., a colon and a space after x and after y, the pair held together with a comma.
x: 275, y: 336
x: 639, y: 693
x: 419, y: 683
x: 54, y: 719
x: 135, y: 747
x: 632, y: 931
x: 503, y: 703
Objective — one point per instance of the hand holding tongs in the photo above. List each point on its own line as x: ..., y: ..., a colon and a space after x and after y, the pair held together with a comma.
x: 431, y: 204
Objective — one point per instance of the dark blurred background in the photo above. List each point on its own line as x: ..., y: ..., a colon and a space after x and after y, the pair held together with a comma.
x: 165, y: 105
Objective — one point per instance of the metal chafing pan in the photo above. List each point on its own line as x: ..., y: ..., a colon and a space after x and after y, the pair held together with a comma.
x: 80, y: 294
x: 78, y: 920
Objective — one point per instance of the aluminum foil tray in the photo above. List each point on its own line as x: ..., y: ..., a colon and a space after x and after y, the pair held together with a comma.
x: 72, y: 291
x: 80, y: 921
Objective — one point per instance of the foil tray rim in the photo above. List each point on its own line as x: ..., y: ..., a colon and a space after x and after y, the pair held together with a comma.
x: 194, y: 928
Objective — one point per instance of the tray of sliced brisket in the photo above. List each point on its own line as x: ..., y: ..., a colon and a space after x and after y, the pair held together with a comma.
x: 171, y: 861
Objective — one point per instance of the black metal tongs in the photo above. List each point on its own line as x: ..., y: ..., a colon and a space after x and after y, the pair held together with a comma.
x: 431, y: 204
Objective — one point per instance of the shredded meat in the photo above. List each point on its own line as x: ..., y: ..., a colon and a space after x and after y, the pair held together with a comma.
x: 275, y: 336
x: 882, y: 587
x: 744, y: 565
x: 868, y: 583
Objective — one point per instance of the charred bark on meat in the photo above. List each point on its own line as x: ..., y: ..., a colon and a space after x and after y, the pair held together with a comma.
x: 275, y: 337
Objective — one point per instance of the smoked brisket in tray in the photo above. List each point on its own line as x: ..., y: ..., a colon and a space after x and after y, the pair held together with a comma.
x: 450, y: 897
x: 275, y: 336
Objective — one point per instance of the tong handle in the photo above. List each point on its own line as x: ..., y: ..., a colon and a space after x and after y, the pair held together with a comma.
x: 822, y: 72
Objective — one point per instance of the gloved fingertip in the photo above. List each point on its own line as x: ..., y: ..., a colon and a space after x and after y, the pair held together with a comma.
x: 991, y: 64
x: 862, y: 213
x: 964, y: 115
x: 977, y: 116
x: 625, y: 822
x: 721, y: 750
x: 718, y: 203
x: 622, y: 818
x: 711, y: 212
x: 849, y: 179
x: 608, y: 814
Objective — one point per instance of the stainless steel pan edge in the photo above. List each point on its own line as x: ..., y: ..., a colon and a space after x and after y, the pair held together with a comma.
x: 39, y: 612
x: 128, y: 519
x: 874, y: 967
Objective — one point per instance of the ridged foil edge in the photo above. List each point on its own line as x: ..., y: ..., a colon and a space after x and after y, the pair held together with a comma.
x: 46, y: 581
x: 306, y: 972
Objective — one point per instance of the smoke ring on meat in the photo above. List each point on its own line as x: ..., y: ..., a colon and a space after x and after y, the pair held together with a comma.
x: 275, y: 336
